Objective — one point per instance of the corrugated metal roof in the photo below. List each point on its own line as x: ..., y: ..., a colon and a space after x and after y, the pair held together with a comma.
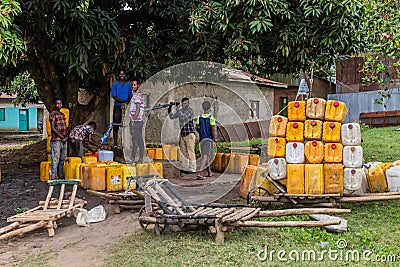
x: 242, y: 76
x: 5, y: 96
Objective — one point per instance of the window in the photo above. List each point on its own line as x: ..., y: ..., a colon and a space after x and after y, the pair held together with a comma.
x: 2, y: 114
x: 283, y: 102
x: 254, y: 109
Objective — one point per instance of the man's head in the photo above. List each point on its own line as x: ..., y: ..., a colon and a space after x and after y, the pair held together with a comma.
x: 135, y: 85
x: 185, y: 102
x: 121, y: 76
x: 206, y: 106
x: 93, y: 125
x: 57, y: 103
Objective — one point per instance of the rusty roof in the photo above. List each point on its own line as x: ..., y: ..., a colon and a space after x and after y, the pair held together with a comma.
x: 242, y: 76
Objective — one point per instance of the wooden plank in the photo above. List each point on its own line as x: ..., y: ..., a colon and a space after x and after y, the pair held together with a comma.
x: 48, y: 197
x: 308, y: 195
x: 24, y: 230
x: 243, y: 212
x: 219, y: 237
x: 61, y: 196
x: 303, y: 211
x: 250, y: 215
x: 9, y: 227
x: 285, y: 223
x: 72, y: 199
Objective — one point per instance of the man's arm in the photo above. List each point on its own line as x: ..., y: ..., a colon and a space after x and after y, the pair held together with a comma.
x: 54, y: 130
x: 136, y: 114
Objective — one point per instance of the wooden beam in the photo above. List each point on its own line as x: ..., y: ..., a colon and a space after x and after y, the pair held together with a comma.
x: 304, y: 211
x: 24, y: 230
x: 285, y: 223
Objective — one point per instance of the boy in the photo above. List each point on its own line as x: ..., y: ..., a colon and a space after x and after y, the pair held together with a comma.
x: 205, y: 125
x: 58, y: 142
x: 78, y: 134
x: 136, y: 124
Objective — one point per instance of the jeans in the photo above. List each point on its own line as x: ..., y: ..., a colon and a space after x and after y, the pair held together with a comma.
x: 136, y: 129
x: 58, y: 154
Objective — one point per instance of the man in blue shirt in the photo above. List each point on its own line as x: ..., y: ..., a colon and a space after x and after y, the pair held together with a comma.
x: 121, y: 92
x: 205, y: 125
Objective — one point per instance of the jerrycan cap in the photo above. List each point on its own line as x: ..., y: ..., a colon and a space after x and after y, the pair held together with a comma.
x: 316, y: 100
x: 333, y: 146
x: 352, y: 149
x: 294, y: 145
x: 296, y: 104
x: 332, y: 124
x: 313, y: 123
x: 279, y: 119
x: 276, y: 161
x: 295, y: 125
x: 336, y: 104
x: 353, y: 171
x: 350, y: 126
x: 314, y: 143
x: 276, y: 140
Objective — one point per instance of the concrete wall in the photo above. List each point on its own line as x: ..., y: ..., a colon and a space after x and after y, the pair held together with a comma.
x: 11, y: 122
x: 230, y: 104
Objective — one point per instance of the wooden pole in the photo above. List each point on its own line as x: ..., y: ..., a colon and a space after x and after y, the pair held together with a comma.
x: 103, y: 195
x: 368, y: 198
x: 9, y: 227
x: 288, y: 212
x: 24, y: 230
x: 285, y: 223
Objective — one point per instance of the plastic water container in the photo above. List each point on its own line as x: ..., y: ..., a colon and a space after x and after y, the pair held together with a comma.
x: 331, y: 132
x: 352, y: 178
x: 333, y: 153
x: 277, y: 126
x: 114, y: 179
x: 351, y: 134
x: 352, y: 156
x: 313, y: 130
x: 97, y: 178
x: 335, y: 111
x: 106, y: 155
x: 295, y: 132
x: 240, y: 163
x: 297, y: 110
x: 45, y: 171
x: 128, y: 171
x: 174, y: 152
x: 254, y: 159
x: 276, y: 147
x: 89, y: 159
x: 70, y: 167
x: 333, y: 175
x: 376, y: 180
x: 295, y: 152
x: 315, y: 108
x: 277, y: 168
x: 295, y: 178
x: 245, y: 182
x: 393, y: 179
x: 314, y: 179
x: 314, y: 151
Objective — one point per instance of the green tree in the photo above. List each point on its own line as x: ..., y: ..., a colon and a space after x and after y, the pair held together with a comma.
x: 24, y: 86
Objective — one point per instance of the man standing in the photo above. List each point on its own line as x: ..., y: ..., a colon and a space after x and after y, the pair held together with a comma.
x: 58, y: 142
x: 136, y: 125
x: 78, y: 135
x: 121, y: 91
x: 187, y: 135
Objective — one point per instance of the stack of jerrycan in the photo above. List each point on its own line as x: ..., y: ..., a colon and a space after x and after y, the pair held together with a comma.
x: 352, y: 157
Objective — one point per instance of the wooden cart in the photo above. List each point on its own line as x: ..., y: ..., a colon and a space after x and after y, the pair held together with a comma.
x: 173, y: 211
x: 47, y: 213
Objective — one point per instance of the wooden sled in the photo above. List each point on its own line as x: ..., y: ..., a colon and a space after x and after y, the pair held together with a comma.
x: 47, y: 213
x: 173, y: 210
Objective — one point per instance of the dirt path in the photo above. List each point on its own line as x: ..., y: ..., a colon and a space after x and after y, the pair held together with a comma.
x: 72, y: 245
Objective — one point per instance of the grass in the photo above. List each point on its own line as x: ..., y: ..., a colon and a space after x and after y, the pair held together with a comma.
x: 381, y: 144
x: 36, y: 260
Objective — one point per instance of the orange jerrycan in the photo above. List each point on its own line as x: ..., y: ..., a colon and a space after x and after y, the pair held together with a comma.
x: 254, y: 159
x: 376, y: 180
x: 114, y: 178
x: 335, y: 111
x: 333, y: 175
x: 97, y: 178
x: 295, y: 178
x: 276, y: 147
x: 333, y: 152
x: 314, y: 151
x: 313, y: 130
x: 351, y: 134
x: 277, y: 126
x: 295, y: 132
x: 331, y: 132
x: 314, y: 179
x: 297, y: 110
x: 45, y: 171
x: 247, y: 177
x: 315, y: 108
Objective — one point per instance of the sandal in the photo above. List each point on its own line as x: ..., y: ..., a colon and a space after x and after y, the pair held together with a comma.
x: 210, y: 174
x: 200, y: 177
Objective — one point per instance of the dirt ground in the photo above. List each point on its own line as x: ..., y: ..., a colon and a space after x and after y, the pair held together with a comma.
x: 72, y: 245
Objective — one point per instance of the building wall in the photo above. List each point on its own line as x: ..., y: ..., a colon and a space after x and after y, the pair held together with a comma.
x: 11, y: 122
x: 230, y: 104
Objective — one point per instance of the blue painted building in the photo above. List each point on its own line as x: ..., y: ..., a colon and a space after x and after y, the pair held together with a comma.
x: 18, y: 118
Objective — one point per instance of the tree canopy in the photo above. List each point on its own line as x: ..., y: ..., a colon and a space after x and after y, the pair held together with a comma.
x: 70, y: 44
